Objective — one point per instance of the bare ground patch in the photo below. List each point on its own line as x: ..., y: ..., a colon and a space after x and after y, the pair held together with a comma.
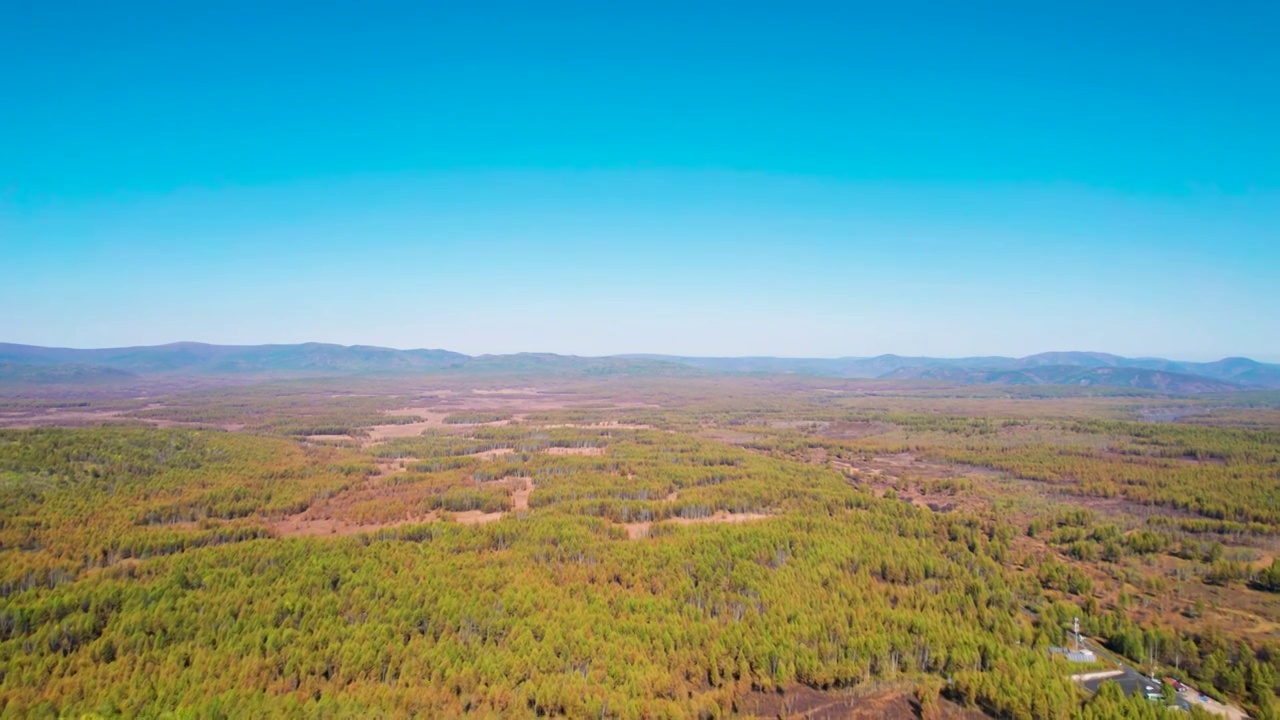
x: 636, y: 530
x: 382, y: 433
x: 392, y: 466
x: 518, y: 401
x: 574, y: 451
x: 728, y: 436
x: 609, y: 424
x: 475, y: 517
x: 373, y: 505
x: 330, y: 438
x: 1116, y: 507
x: 297, y: 526
x: 854, y: 430
x: 903, y: 473
x: 59, y: 417
x: 520, y: 497
x: 720, y: 516
x: 894, y: 703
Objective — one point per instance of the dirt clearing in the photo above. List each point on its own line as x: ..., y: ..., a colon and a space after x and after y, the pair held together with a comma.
x: 382, y: 433
x: 638, y: 530
x: 520, y: 498
x: 298, y: 526
x: 475, y: 517
x: 574, y: 451
x: 893, y: 703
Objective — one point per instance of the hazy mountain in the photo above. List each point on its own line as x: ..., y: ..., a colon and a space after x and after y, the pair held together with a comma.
x: 198, y: 359
x: 32, y: 364
x: 534, y: 363
x: 1108, y: 376
x: 1241, y: 370
x: 1044, y: 368
x: 1077, y: 359
x: 847, y: 367
x: 60, y: 374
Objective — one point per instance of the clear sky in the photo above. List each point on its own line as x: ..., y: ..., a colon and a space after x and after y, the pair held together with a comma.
x: 715, y: 179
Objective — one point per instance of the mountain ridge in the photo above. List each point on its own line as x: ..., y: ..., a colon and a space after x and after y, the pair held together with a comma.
x: 308, y: 359
x: 1106, y: 376
x: 37, y: 364
x: 1236, y: 371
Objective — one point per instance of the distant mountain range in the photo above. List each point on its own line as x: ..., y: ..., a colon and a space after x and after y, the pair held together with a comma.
x: 1139, y: 378
x: 28, y: 364
x: 61, y: 374
x: 1052, y: 368
x: 33, y: 364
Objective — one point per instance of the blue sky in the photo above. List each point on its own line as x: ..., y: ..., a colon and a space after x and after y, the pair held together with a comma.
x: 788, y: 179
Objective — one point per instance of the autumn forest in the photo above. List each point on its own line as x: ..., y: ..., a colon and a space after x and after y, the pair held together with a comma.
x: 634, y: 547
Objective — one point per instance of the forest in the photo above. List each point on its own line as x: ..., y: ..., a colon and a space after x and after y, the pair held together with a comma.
x: 631, y: 549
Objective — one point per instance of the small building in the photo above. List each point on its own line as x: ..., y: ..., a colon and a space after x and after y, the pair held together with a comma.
x: 1077, y: 656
